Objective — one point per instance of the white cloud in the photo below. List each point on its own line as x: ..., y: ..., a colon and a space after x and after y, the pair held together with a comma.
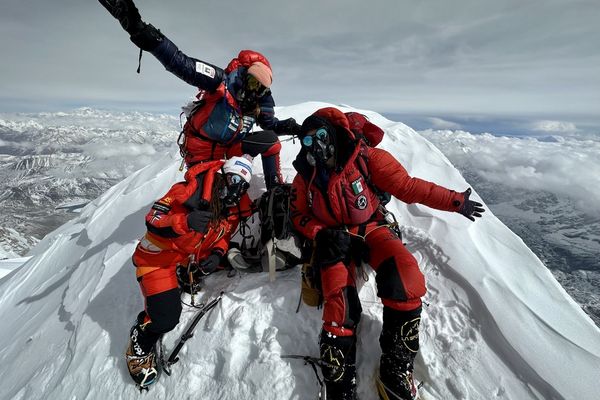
x: 119, y: 150
x: 554, y: 126
x: 439, y: 123
x: 569, y: 167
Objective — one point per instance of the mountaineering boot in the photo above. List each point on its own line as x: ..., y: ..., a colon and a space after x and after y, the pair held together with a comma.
x: 339, y: 372
x: 399, y: 342
x: 141, y: 354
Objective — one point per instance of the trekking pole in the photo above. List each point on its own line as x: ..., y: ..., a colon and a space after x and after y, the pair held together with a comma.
x: 189, y: 333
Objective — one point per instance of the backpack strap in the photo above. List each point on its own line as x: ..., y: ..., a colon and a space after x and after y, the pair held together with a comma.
x: 362, y: 162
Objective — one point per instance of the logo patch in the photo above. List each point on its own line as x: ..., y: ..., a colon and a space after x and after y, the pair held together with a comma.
x: 410, y: 334
x: 241, y: 164
x: 205, y: 69
x: 357, y: 186
x: 361, y: 202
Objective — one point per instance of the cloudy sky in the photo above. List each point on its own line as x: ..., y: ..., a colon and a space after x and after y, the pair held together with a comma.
x: 534, y: 61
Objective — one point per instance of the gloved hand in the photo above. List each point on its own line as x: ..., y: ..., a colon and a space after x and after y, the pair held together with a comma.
x: 470, y: 208
x: 126, y: 12
x: 143, y: 35
x: 332, y: 246
x: 147, y: 37
x: 288, y: 127
x: 211, y: 263
x: 198, y: 220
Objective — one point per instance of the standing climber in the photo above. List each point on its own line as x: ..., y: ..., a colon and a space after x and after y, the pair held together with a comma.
x: 336, y: 205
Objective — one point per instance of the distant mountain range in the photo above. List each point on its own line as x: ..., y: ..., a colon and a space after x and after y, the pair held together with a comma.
x: 53, y: 163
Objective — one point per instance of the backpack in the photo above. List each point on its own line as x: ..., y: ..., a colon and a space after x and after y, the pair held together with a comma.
x: 278, y: 246
x: 364, y: 129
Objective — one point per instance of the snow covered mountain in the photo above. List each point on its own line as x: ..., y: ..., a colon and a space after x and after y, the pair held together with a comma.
x: 53, y: 161
x: 541, y: 189
x: 498, y: 324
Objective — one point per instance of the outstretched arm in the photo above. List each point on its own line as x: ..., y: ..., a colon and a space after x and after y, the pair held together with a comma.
x: 268, y: 121
x: 390, y: 176
x: 193, y: 71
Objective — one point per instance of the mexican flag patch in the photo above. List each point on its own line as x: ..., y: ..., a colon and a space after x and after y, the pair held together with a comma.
x: 357, y: 186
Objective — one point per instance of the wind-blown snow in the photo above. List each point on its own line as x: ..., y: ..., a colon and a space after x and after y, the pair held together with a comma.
x: 497, y: 326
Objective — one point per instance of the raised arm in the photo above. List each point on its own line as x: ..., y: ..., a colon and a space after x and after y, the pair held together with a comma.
x: 191, y: 70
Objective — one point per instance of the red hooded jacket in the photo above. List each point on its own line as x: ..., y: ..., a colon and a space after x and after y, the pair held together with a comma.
x: 348, y: 199
x: 169, y: 241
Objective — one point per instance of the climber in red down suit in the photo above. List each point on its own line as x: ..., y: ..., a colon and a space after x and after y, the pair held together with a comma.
x: 230, y: 102
x: 335, y: 204
x: 189, y: 226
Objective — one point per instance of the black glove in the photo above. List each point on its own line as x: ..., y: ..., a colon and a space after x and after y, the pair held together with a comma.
x: 211, y: 263
x: 143, y: 35
x: 147, y: 37
x: 287, y: 127
x: 332, y: 246
x: 198, y: 220
x: 470, y: 208
x: 126, y: 12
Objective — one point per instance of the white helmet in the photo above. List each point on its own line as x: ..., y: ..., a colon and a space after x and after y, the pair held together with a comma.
x: 241, y: 166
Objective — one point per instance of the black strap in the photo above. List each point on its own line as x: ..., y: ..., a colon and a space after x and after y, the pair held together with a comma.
x: 139, y: 68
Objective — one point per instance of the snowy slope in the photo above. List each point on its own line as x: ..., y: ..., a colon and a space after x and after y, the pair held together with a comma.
x: 498, y: 324
x: 9, y: 265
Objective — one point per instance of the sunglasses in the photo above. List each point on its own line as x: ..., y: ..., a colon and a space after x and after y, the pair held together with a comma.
x: 321, y: 134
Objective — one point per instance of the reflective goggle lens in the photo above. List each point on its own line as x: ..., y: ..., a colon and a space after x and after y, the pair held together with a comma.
x: 321, y: 134
x: 254, y: 86
x: 234, y: 179
x: 307, y: 141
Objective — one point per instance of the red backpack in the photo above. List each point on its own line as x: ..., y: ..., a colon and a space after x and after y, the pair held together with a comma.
x: 364, y: 129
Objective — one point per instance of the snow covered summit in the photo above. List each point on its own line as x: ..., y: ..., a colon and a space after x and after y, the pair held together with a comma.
x: 498, y: 325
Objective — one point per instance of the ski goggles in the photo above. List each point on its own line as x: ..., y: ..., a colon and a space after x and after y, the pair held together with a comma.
x: 235, y: 179
x: 321, y: 134
x: 254, y: 87
x: 236, y: 188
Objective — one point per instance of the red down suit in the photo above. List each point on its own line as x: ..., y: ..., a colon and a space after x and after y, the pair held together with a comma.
x: 346, y: 199
x: 169, y: 241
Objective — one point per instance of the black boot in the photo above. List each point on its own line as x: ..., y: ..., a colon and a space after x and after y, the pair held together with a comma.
x: 339, y: 352
x: 399, y: 342
x: 141, y: 354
